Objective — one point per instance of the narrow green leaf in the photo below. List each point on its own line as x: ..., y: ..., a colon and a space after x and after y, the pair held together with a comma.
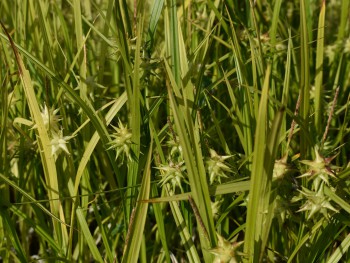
x: 305, y: 78
x: 186, y: 237
x: 275, y: 20
x: 158, y: 213
x: 341, y: 250
x: 87, y: 235
x: 12, y: 235
x: 319, y: 69
x: 45, y: 30
x: 174, y: 41
x: 155, y: 14
x: 338, y: 200
x: 246, y: 108
x: 259, y: 181
x: 104, y: 45
x: 269, y: 161
x: 303, y: 240
x: 344, y: 16
x: 221, y: 189
x: 137, y: 224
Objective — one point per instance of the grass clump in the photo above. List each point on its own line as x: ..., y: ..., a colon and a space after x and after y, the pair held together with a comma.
x: 168, y: 131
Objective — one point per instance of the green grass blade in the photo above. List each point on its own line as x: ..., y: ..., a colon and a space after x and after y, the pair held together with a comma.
x: 338, y: 200
x: 340, y: 251
x: 157, y: 8
x: 275, y: 20
x: 305, y: 78
x: 319, y: 69
x: 244, y: 95
x: 173, y: 40
x: 316, y: 227
x: 104, y: 45
x: 343, y: 19
x: 87, y: 235
x: 135, y: 120
x: 80, y: 44
x: 272, y: 144
x: 221, y: 189
x: 137, y: 225
x: 104, y: 235
x: 12, y: 235
x: 186, y: 238
x: 287, y: 76
x: 45, y: 29
x: 160, y: 225
x: 259, y: 181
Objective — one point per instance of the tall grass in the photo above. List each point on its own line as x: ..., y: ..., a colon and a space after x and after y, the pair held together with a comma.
x: 174, y: 131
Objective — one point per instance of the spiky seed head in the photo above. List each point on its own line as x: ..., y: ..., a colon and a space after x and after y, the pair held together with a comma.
x: 225, y: 251
x: 319, y: 169
x: 122, y: 140
x: 217, y: 167
x: 58, y: 143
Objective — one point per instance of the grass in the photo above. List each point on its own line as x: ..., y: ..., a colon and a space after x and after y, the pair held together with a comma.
x: 174, y: 131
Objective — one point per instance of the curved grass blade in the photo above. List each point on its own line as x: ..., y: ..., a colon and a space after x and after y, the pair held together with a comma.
x: 137, y: 225
x: 88, y: 237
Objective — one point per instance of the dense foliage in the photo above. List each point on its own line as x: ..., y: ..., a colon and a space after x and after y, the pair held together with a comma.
x: 174, y: 131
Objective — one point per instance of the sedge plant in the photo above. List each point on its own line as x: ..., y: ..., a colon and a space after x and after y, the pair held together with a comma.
x: 174, y: 131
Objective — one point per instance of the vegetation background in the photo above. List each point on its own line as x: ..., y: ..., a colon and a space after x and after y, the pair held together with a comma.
x: 174, y: 131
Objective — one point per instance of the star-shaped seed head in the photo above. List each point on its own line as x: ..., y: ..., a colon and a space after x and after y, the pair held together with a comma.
x: 122, y: 140
x: 319, y: 170
x: 173, y: 174
x: 226, y: 251
x: 316, y: 203
x: 50, y: 119
x: 58, y: 143
x: 217, y: 167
